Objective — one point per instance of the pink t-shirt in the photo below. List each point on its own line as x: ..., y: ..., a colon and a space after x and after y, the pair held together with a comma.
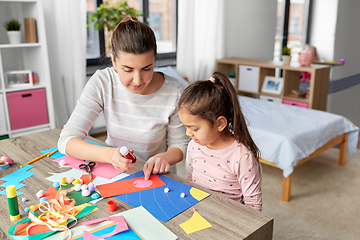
x: 232, y: 171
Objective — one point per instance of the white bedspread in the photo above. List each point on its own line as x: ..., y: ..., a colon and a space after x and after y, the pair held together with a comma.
x: 285, y: 134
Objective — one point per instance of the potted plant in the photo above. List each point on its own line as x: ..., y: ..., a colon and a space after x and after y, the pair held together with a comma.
x: 13, y: 30
x: 108, y: 15
x: 286, y: 55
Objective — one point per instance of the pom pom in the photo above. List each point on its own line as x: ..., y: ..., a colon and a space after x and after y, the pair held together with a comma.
x: 63, y: 180
x: 76, y: 182
x: 166, y: 190
x: 85, y: 193
x: 77, y: 187
x: 62, y: 163
x: 182, y: 195
x: 27, y: 209
x: 40, y: 193
x: 23, y: 199
x: 91, y: 184
x: 69, y: 179
x: 84, y: 187
x: 91, y: 188
x: 43, y: 199
x: 95, y: 196
x: 56, y: 184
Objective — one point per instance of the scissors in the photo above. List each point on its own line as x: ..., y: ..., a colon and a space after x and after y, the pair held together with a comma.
x: 88, y: 166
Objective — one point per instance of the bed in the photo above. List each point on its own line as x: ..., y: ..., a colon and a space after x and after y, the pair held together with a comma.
x: 289, y: 136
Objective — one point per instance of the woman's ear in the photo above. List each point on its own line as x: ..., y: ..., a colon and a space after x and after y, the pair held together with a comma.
x: 113, y: 62
x: 221, y: 123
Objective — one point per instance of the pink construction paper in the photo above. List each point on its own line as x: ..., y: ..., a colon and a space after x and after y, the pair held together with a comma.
x: 143, y: 183
x: 120, y: 227
x: 105, y: 170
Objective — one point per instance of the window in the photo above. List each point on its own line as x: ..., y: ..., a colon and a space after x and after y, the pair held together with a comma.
x: 160, y: 15
x: 292, y: 27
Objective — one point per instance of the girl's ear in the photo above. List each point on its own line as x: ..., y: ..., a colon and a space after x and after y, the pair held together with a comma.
x: 221, y: 123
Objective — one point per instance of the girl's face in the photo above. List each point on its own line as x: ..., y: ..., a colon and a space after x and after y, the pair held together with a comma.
x: 201, y: 130
x: 135, y: 70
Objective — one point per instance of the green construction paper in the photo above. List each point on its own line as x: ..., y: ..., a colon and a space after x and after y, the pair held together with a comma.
x: 77, y: 196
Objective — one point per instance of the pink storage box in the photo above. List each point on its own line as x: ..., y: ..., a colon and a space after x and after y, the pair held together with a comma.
x: 27, y: 108
x: 295, y: 103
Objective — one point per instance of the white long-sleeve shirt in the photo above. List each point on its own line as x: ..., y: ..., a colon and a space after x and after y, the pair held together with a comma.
x: 148, y: 124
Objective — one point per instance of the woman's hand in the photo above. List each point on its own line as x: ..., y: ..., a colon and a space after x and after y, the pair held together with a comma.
x: 155, y: 164
x: 121, y: 163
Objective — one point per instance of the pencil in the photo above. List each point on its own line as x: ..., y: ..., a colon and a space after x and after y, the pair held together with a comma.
x: 40, y: 157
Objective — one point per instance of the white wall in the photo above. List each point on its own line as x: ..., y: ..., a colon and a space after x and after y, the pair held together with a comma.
x: 335, y: 34
x: 250, y: 28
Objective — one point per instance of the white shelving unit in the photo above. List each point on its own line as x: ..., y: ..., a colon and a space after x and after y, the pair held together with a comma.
x: 25, y: 108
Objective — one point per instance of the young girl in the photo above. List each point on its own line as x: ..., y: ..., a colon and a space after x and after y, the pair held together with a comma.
x: 139, y: 106
x: 221, y: 155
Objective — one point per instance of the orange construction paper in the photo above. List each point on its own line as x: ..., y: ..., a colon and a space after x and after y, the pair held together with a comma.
x: 127, y: 186
x: 86, y: 178
x: 50, y: 193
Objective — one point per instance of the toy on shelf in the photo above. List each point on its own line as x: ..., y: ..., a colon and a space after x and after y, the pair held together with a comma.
x: 305, y: 58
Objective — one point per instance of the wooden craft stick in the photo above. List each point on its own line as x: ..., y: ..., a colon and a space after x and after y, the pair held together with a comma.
x: 40, y: 157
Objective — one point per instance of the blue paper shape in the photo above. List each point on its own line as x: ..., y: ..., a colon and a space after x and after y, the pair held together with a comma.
x: 161, y: 205
x: 16, y: 177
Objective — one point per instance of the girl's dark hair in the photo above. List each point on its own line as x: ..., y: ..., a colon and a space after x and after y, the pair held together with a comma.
x: 132, y: 36
x: 210, y: 100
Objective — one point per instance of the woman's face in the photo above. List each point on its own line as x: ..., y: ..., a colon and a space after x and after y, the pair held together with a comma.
x: 135, y: 70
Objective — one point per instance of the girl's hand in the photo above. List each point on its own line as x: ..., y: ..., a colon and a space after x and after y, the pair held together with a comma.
x: 155, y: 164
x: 121, y: 163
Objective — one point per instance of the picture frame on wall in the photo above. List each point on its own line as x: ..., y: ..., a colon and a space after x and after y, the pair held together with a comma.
x: 272, y: 85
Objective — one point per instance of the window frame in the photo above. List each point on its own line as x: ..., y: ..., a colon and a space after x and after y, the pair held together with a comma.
x: 285, y: 23
x: 161, y: 59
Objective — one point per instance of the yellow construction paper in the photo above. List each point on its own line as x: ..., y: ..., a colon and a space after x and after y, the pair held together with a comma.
x: 198, y: 194
x: 195, y: 223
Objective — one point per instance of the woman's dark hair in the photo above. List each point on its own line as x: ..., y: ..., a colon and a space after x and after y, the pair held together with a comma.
x: 132, y: 36
x: 212, y: 99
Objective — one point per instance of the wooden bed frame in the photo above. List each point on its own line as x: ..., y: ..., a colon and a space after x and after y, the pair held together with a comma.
x: 340, y: 139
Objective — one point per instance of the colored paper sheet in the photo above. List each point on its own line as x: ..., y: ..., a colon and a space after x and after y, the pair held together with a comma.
x: 86, y: 178
x: 15, y: 178
x: 75, y: 173
x: 120, y: 226
x: 128, y: 234
x: 161, y: 205
x: 76, y: 195
x: 39, y: 231
x: 128, y: 186
x: 105, y: 170
x: 195, y: 223
x: 139, y: 221
x: 55, y: 155
x: 198, y: 194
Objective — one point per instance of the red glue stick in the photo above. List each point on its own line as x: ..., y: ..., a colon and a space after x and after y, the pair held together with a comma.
x: 127, y: 154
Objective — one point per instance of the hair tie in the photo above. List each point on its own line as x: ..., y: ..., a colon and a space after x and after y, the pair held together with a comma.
x: 212, y: 79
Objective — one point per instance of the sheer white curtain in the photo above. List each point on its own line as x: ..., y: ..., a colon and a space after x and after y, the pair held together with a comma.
x: 65, y: 23
x: 200, y: 37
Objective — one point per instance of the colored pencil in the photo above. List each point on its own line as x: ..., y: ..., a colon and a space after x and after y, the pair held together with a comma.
x: 40, y: 157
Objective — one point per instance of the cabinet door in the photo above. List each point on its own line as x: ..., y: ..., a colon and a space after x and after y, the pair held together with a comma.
x: 27, y: 108
x: 249, y: 78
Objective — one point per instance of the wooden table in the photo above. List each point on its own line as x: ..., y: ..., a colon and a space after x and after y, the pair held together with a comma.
x: 229, y: 219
